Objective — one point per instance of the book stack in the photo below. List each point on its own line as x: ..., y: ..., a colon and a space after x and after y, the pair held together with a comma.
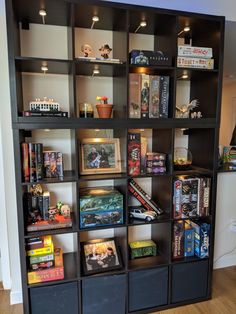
x: 155, y: 163
x: 148, y: 96
x: 191, y: 197
x: 144, y: 198
x: 53, y: 164
x: 229, y: 155
x: 38, y: 164
x: 190, y: 239
x: 195, y: 57
x: 45, y: 262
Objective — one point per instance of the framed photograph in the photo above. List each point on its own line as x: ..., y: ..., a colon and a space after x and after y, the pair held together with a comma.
x: 100, y: 155
x: 100, y: 255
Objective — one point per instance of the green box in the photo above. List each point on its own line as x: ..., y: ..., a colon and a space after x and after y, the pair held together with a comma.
x: 142, y: 248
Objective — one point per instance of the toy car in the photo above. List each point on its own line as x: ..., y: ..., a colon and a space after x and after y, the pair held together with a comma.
x: 142, y: 213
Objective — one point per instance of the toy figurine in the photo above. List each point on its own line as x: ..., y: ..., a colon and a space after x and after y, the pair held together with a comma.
x: 65, y: 211
x: 52, y: 212
x: 183, y: 111
x: 105, y: 50
x: 87, y: 50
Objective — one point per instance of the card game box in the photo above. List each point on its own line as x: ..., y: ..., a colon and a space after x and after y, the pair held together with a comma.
x: 135, y: 95
x: 100, y: 207
x: 148, y: 57
x: 201, y: 239
x: 178, y: 239
x: 196, y: 52
x: 142, y: 248
x: 188, y: 239
x: 134, y: 154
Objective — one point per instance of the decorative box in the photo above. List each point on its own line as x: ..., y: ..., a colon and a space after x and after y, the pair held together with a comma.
x: 142, y: 248
x: 148, y: 57
x: 100, y: 207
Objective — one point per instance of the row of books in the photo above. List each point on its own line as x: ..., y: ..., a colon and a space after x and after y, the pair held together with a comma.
x: 190, y: 239
x: 148, y: 96
x: 38, y: 164
x: 140, y: 161
x: 191, y: 197
x: 195, y: 57
x: 45, y: 263
x: 143, y: 197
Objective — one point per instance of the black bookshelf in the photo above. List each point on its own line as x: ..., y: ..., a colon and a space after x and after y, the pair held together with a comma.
x: 156, y: 281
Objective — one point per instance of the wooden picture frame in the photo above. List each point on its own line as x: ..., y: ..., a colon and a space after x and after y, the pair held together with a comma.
x: 100, y: 155
x: 100, y: 255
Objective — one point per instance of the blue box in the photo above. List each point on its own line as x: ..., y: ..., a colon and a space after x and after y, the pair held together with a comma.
x: 101, y: 207
x: 188, y: 240
x: 201, y: 239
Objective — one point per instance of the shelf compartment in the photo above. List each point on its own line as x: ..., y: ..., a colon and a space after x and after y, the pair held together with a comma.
x: 189, y: 281
x: 148, y: 288
x: 159, y: 233
x: 70, y: 271
x: 57, y: 13
x: 43, y: 299
x: 120, y: 236
x: 205, y: 31
x: 85, y: 68
x: 200, y: 85
x: 103, y: 293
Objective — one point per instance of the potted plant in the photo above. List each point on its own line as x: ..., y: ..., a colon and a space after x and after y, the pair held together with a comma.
x: 104, y: 109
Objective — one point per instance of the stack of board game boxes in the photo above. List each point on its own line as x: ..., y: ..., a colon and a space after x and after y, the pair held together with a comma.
x: 195, y: 57
x: 44, y: 262
x: 148, y: 96
x: 191, y: 200
x: 140, y: 161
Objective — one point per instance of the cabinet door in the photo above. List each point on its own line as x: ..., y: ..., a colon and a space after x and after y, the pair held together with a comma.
x: 148, y: 288
x: 55, y: 299
x: 104, y: 295
x: 189, y: 281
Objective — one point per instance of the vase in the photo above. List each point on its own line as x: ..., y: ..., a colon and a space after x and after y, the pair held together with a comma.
x: 104, y: 110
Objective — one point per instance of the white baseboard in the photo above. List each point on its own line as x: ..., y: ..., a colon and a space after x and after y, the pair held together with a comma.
x: 16, y: 297
x: 225, y: 261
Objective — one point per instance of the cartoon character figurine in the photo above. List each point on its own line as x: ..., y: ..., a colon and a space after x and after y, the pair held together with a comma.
x: 87, y: 50
x: 105, y: 50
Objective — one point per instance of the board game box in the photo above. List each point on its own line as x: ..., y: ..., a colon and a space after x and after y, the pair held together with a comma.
x: 142, y: 248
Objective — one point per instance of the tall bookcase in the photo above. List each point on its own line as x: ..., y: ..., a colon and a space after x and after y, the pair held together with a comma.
x: 142, y: 285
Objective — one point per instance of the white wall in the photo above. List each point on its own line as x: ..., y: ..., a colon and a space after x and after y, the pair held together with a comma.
x: 217, y: 7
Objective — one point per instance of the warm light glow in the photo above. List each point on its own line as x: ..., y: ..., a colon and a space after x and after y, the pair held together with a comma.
x: 44, y: 68
x: 141, y: 130
x: 187, y: 29
x: 143, y: 24
x: 184, y: 76
x: 96, y: 71
x: 97, y: 130
x: 42, y: 12
x: 95, y: 18
x: 97, y: 140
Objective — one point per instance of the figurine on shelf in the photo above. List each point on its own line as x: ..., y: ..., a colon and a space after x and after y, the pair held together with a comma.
x: 87, y: 50
x: 183, y: 111
x: 105, y: 50
x: 197, y: 115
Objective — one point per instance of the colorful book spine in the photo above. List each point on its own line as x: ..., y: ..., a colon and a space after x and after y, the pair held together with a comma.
x: 143, y: 154
x: 194, y: 52
x: 134, y: 95
x: 177, y: 199
x: 134, y: 153
x: 47, y: 170
x: 164, y: 96
x: 39, y: 161
x: 154, y: 96
x: 140, y: 198
x: 59, y: 164
x: 178, y: 239
x: 188, y: 240
x: 199, y: 63
x: 41, y: 258
x: 25, y: 161
x: 204, y: 196
x: 54, y: 273
x: 46, y: 204
x: 47, y: 248
x: 59, y: 114
x: 32, y: 162
x: 201, y: 239
x: 145, y: 197
x: 53, y: 164
x: 144, y: 96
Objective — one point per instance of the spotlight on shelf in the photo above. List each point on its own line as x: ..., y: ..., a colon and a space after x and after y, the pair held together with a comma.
x: 44, y: 67
x: 185, y: 30
x: 95, y: 19
x: 142, y: 24
x: 96, y: 72
x: 184, y: 76
x: 43, y: 13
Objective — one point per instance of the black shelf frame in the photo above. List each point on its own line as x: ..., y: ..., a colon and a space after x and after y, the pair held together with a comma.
x: 122, y: 19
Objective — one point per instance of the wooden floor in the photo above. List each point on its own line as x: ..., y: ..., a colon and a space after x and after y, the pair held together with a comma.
x: 223, y: 301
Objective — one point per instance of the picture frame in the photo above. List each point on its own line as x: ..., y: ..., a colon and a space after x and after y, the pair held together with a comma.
x: 100, y: 255
x: 100, y: 155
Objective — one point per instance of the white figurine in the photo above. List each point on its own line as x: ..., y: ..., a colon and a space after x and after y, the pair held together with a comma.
x: 184, y: 110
